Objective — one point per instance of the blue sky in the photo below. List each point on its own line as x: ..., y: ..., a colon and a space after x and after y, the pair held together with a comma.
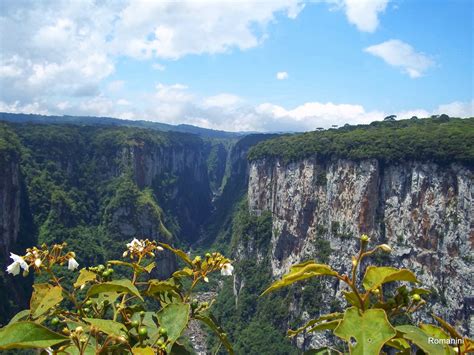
x: 247, y: 65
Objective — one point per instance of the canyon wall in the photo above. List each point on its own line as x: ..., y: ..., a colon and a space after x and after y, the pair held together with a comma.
x: 423, y: 210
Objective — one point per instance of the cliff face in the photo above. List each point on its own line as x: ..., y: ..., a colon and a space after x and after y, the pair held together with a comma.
x: 423, y: 210
x: 179, y: 180
x: 14, y: 214
x: 9, y: 204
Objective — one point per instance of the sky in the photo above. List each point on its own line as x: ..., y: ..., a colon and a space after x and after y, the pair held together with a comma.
x: 267, y: 65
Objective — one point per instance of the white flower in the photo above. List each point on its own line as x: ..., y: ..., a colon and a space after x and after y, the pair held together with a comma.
x: 135, y: 245
x: 37, y: 263
x: 72, y: 264
x: 227, y: 269
x: 14, y: 268
x: 159, y: 248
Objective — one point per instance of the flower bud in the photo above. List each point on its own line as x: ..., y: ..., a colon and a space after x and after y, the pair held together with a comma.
x: 125, y: 253
x: 37, y: 263
x: 416, y: 297
x: 385, y: 247
x: 364, y: 238
x: 66, y: 331
x: 79, y: 330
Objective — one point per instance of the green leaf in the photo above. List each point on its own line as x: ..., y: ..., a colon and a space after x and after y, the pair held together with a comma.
x: 149, y: 323
x: 150, y: 267
x: 117, y: 286
x: 20, y: 316
x: 438, y: 333
x: 311, y: 323
x: 107, y: 326
x: 370, y: 330
x: 321, y: 351
x: 73, y: 350
x: 421, y: 339
x: 157, y: 286
x: 179, y: 349
x: 185, y: 272
x: 398, y: 343
x: 300, y: 272
x: 174, y: 317
x: 376, y: 276
x: 354, y: 301
x: 84, y: 277
x: 137, y: 268
x: 28, y: 335
x: 211, y: 322
x: 143, y: 351
x: 179, y: 253
x: 449, y: 328
x: 45, y: 296
x: 325, y: 326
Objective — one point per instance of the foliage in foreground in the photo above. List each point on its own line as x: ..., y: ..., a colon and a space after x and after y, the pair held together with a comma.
x: 100, y: 314
x: 367, y: 326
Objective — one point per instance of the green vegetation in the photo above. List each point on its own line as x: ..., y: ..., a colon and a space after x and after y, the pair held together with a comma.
x: 85, y: 185
x: 100, y: 314
x: 377, y: 318
x: 432, y: 139
x: 257, y: 325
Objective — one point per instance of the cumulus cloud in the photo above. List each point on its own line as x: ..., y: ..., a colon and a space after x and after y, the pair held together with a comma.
x: 400, y: 54
x: 282, y: 75
x: 364, y: 14
x: 171, y: 30
x: 457, y: 109
x: 66, y: 48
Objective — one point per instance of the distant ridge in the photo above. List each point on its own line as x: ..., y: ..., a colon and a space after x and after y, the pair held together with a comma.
x: 109, y: 121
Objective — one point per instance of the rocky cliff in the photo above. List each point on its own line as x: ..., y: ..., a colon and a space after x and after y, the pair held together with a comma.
x: 423, y: 210
x: 14, y: 232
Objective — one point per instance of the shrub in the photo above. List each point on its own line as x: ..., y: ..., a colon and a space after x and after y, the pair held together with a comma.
x: 101, y: 314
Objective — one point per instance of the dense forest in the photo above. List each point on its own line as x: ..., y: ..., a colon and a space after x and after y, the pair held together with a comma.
x: 440, y: 139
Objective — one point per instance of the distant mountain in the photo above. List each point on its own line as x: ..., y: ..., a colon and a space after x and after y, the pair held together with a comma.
x: 109, y: 121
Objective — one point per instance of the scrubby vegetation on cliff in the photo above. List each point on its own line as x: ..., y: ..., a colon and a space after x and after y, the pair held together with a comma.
x: 438, y: 139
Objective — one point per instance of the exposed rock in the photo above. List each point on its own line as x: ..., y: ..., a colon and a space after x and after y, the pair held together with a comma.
x: 423, y: 210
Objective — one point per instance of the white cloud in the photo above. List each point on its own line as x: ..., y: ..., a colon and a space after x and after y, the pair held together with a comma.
x: 457, y: 109
x: 400, y: 54
x: 364, y: 13
x: 282, y: 75
x: 67, y: 48
x: 123, y: 102
x: 171, y: 30
x: 116, y: 86
x: 222, y: 100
